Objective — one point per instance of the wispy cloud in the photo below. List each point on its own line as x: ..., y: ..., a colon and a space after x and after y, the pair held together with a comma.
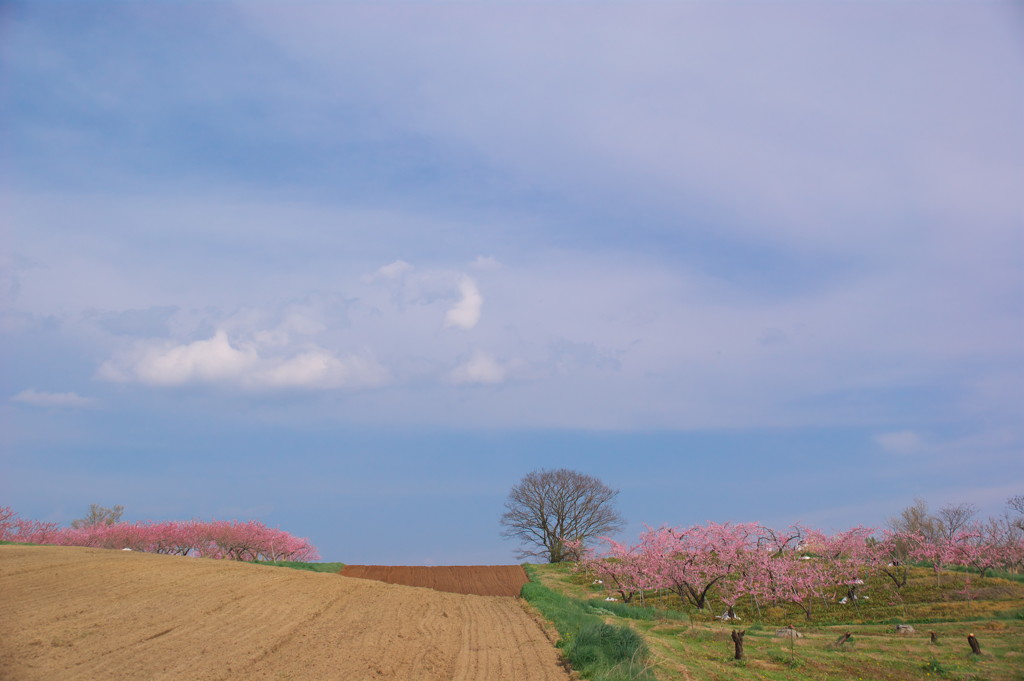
x: 390, y: 271
x: 485, y: 263
x: 38, y: 398
x: 321, y: 369
x: 481, y: 369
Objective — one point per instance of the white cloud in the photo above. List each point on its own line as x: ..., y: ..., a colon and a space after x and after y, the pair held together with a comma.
x: 465, y: 314
x: 295, y: 322
x: 320, y: 369
x: 212, y: 360
x: 900, y: 442
x: 485, y: 263
x: 392, y: 271
x: 480, y: 368
x: 44, y: 399
x: 216, y: 360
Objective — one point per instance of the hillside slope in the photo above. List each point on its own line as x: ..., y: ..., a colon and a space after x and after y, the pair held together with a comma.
x: 76, y: 613
x: 480, y: 580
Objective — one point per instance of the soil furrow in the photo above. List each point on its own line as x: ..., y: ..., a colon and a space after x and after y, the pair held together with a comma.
x: 89, y: 614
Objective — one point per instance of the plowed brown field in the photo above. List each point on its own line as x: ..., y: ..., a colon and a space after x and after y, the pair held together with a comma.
x: 481, y: 580
x: 81, y: 614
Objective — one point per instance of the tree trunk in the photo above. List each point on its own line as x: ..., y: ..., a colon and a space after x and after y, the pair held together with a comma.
x: 737, y: 639
x: 975, y: 646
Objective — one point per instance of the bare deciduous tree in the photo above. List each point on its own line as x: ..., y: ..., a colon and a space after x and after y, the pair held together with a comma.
x: 547, y: 509
x: 99, y: 515
x: 1016, y: 505
x: 954, y: 517
x: 916, y: 519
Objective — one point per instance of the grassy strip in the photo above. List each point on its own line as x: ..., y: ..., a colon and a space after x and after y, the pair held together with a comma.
x: 997, y: 574
x: 313, y: 567
x: 598, y: 651
x: 634, y: 612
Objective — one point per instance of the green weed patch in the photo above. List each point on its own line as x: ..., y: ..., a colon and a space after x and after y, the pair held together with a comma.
x: 596, y: 649
x: 634, y: 612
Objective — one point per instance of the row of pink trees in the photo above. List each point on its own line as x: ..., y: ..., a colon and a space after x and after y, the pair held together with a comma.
x: 955, y: 536
x: 798, y: 565
x: 248, y: 541
x: 983, y: 546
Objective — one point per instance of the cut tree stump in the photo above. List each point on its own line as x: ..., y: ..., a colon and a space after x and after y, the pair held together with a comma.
x: 843, y: 639
x: 737, y: 639
x: 975, y: 646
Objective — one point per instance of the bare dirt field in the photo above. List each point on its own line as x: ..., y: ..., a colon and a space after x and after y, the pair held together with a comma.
x: 77, y: 613
x: 481, y: 580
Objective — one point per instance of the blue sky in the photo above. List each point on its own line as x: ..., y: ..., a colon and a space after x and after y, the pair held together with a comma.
x: 353, y: 269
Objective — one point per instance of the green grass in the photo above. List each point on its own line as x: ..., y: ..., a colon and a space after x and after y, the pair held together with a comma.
x: 313, y: 567
x: 701, y: 648
x: 634, y: 612
x: 1000, y: 574
x: 596, y: 649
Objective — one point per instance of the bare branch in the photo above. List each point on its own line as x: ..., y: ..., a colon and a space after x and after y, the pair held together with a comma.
x: 99, y: 515
x: 953, y: 517
x: 549, y: 508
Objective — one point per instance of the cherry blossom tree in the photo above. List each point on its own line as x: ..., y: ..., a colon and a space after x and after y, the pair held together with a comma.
x: 619, y: 568
x: 782, y: 570
x: 690, y: 562
x: 847, y: 556
x: 983, y: 546
x: 892, y: 555
x: 7, y: 518
x: 801, y: 580
x: 232, y: 540
x: 17, y: 529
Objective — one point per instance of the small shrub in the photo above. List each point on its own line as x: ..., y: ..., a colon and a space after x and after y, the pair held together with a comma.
x: 787, y: 659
